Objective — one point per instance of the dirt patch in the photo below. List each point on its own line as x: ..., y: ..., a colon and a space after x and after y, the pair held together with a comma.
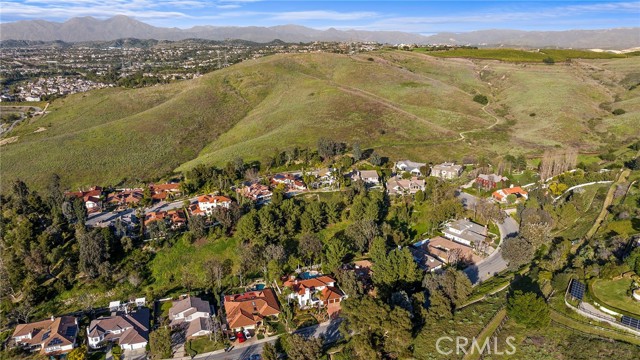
x: 8, y: 140
x: 40, y: 129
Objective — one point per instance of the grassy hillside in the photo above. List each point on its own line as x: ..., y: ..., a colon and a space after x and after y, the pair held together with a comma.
x: 403, y: 104
x: 513, y: 55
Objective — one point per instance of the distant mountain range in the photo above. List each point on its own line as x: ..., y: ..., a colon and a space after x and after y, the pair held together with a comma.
x: 118, y: 27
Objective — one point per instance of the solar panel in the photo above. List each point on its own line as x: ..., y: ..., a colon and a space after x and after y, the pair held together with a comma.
x: 577, y: 289
x: 630, y: 322
x: 71, y: 331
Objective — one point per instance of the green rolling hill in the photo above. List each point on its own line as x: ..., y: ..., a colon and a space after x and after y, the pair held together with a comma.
x: 403, y: 104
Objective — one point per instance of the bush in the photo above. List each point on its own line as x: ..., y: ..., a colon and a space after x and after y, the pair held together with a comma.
x: 618, y: 112
x: 481, y: 99
x: 549, y: 61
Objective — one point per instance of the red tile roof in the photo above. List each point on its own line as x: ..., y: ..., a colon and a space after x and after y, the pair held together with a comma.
x: 249, y: 308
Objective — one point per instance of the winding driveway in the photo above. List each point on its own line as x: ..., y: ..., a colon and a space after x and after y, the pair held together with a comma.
x: 494, y: 263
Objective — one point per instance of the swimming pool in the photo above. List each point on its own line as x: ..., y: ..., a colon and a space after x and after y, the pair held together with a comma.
x: 308, y: 275
x: 259, y: 287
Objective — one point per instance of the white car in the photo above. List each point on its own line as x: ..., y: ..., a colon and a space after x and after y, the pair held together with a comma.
x: 247, y: 334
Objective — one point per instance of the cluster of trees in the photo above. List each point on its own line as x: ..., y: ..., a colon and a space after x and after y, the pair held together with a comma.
x: 388, y: 326
x: 44, y: 240
x: 555, y: 162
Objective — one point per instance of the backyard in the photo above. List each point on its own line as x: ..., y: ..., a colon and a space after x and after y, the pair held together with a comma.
x: 614, y: 293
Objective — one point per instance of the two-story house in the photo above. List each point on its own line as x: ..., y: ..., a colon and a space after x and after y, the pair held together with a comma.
x: 399, y: 186
x: 207, y: 203
x: 446, y: 171
x: 51, y: 337
x: 129, y: 330
x: 194, y: 311
x: 318, y: 291
x: 490, y: 181
x: 249, y: 310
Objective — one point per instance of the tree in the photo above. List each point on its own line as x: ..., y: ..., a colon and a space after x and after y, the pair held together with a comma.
x: 269, y: 352
x: 439, y: 306
x: 160, y: 343
x: 300, y: 348
x: 93, y: 251
x: 335, y: 252
x: 517, y: 251
x: 549, y: 60
x: 310, y: 247
x: 528, y: 309
x: 357, y: 152
x: 215, y: 272
x: 197, y: 226
x: 79, y: 353
x: 375, y: 159
x: 394, y: 269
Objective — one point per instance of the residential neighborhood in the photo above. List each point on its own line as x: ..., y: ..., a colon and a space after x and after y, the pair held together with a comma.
x: 262, y: 308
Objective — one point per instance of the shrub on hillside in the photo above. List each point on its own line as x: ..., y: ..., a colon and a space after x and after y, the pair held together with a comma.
x: 481, y: 99
x: 618, y: 112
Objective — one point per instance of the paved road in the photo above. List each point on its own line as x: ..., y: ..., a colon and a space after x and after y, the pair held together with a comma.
x: 494, y: 263
x: 467, y: 200
x: 253, y: 346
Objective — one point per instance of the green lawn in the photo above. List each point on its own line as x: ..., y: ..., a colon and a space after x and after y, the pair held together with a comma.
x: 202, y: 344
x: 614, y: 294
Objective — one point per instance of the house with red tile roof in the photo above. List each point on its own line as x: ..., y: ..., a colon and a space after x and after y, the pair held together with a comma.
x: 125, y: 197
x: 175, y: 218
x: 160, y: 192
x: 249, y: 310
x: 502, y: 194
x: 92, y: 198
x: 206, y: 204
x: 256, y: 192
x: 292, y: 182
x: 52, y: 337
x: 318, y: 291
x: 129, y: 330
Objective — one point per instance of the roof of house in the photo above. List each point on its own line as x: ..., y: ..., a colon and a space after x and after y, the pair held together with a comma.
x: 447, y: 166
x: 164, y: 187
x: 249, y: 308
x: 368, y: 174
x: 440, y: 248
x: 396, y: 184
x: 409, y: 165
x: 135, y: 324
x: 467, y: 229
x: 213, y: 199
x: 190, y: 302
x: 57, y: 331
x: 331, y: 293
x: 492, y: 177
x: 197, y: 325
x: 299, y: 286
x: 503, y: 193
x: 175, y: 215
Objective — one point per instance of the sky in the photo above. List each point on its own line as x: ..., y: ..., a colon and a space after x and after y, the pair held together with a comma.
x: 423, y: 17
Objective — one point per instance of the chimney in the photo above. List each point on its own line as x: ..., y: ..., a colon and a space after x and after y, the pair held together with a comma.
x: 53, y: 318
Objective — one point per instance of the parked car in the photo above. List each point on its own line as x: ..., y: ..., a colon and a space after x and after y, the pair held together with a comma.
x: 241, y: 337
x: 232, y: 337
x: 256, y: 357
x: 247, y: 334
